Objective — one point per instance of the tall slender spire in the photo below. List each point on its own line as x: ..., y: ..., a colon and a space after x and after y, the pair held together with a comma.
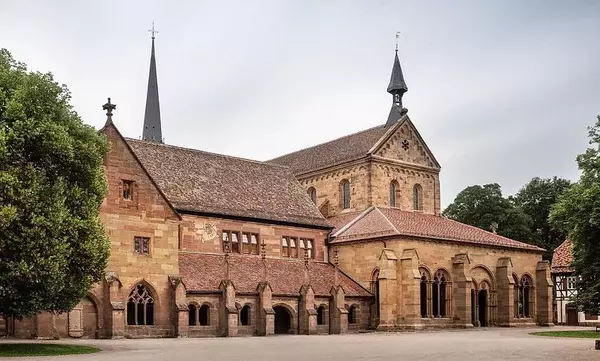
x: 397, y: 88
x: 152, y: 128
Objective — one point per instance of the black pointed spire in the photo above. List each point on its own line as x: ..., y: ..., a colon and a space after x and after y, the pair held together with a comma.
x: 397, y: 88
x: 152, y: 129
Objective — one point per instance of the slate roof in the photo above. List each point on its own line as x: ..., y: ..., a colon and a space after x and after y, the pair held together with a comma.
x: 562, y: 258
x: 204, y: 272
x: 338, y: 151
x: 197, y: 181
x: 381, y: 222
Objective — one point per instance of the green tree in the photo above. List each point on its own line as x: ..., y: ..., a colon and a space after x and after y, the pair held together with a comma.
x: 485, y: 207
x: 536, y: 199
x: 578, y: 213
x: 52, y: 245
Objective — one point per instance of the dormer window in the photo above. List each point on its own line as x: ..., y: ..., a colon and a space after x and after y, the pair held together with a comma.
x: 397, y: 99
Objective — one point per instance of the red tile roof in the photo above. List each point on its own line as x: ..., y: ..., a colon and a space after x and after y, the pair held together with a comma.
x: 197, y: 181
x: 379, y: 221
x: 344, y: 149
x: 562, y: 258
x: 204, y: 272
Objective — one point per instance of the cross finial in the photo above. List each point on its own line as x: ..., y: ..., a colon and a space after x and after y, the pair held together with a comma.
x: 109, y: 107
x: 397, y: 37
x: 153, y: 31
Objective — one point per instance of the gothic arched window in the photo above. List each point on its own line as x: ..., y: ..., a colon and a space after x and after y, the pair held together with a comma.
x: 312, y: 193
x: 345, y: 194
x: 393, y: 192
x: 517, y: 308
x: 423, y: 293
x: 417, y: 197
x: 438, y: 294
x: 140, y: 307
x: 525, y: 296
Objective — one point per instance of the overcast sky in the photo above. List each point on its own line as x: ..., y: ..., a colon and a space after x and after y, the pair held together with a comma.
x: 500, y: 91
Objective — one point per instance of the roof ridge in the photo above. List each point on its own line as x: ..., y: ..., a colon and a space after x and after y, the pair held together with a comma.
x: 205, y: 152
x: 462, y: 224
x: 387, y: 219
x: 326, y: 142
x: 353, y: 221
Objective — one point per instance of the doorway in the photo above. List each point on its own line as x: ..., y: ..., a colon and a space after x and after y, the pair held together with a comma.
x: 283, y: 320
x: 482, y: 309
x: 572, y: 315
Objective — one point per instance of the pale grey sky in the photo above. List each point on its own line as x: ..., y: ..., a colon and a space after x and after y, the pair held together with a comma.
x: 501, y: 91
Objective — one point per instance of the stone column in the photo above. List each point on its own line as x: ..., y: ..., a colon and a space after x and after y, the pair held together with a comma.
x: 409, y: 295
x: 229, y: 313
x: 115, y: 307
x: 179, y: 308
x: 338, y: 315
x: 461, y: 290
x: 505, y: 285
x: 308, y: 313
x: 388, y: 285
x: 543, y: 294
x: 265, y: 320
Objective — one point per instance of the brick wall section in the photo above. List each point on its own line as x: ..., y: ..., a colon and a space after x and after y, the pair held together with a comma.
x: 203, y: 234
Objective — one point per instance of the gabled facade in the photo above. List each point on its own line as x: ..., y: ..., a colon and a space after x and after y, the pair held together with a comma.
x: 565, y: 281
x: 380, y: 189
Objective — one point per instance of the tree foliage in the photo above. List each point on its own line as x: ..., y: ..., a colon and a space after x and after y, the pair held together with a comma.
x: 536, y: 199
x: 578, y: 213
x: 52, y: 245
x: 485, y: 207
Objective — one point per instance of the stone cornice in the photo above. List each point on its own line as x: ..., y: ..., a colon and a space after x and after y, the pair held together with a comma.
x: 409, y: 165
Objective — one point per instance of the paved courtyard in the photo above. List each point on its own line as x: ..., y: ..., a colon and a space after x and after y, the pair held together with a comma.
x: 486, y: 344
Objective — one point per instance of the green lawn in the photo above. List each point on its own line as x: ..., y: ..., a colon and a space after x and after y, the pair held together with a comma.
x: 577, y: 334
x: 42, y: 349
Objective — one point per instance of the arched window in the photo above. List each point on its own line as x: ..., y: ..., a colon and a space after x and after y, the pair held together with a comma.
x: 312, y: 193
x: 245, y: 316
x: 393, y: 191
x: 321, y: 315
x: 375, y: 291
x: 204, y: 315
x: 525, y: 296
x: 192, y: 315
x: 417, y: 197
x: 438, y: 294
x: 352, y: 314
x: 345, y: 194
x: 140, y: 307
x: 423, y: 293
x: 517, y: 310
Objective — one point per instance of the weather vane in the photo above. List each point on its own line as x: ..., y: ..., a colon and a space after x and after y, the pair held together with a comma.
x: 153, y: 31
x: 397, y: 37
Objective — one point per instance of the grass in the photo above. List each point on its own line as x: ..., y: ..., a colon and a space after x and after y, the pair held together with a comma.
x: 43, y: 349
x: 576, y: 334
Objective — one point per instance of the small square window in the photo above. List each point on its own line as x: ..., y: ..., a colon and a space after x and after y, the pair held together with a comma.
x: 128, y: 190
x: 141, y: 245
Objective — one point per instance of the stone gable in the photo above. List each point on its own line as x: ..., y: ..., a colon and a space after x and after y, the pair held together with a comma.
x: 406, y: 145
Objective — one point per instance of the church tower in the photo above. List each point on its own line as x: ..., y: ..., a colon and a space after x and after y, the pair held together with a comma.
x: 397, y: 88
x: 152, y: 131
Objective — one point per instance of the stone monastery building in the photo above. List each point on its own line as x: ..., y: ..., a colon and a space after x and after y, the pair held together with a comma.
x: 340, y: 237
